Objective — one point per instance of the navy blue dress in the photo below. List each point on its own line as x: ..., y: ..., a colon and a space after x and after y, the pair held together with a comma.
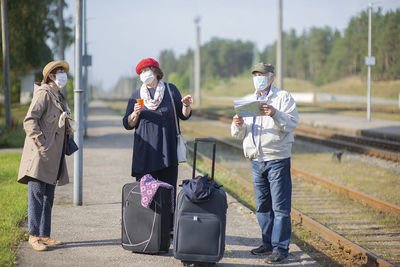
x: 155, y: 133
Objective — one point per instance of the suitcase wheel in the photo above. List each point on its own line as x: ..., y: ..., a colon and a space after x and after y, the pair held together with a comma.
x: 198, y: 264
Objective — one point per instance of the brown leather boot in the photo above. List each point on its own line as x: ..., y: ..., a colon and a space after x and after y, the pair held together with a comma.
x: 36, y: 243
x: 50, y: 242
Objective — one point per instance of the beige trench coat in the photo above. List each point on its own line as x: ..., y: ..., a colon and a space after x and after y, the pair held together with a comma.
x: 44, y: 139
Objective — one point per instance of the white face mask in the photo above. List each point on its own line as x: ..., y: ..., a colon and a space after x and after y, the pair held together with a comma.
x: 260, y: 82
x: 61, y: 79
x: 147, y: 77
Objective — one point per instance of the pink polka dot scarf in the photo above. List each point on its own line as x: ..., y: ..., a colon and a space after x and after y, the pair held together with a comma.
x: 149, y: 187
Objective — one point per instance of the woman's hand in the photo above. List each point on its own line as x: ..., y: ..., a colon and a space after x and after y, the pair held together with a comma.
x: 136, y: 109
x: 187, y: 100
x: 133, y: 118
x: 70, y: 131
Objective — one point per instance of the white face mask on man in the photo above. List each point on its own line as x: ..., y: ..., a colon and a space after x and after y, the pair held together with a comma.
x: 61, y: 79
x: 260, y: 82
x: 147, y: 77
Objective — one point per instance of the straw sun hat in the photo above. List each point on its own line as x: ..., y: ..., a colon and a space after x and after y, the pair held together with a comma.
x: 51, y: 66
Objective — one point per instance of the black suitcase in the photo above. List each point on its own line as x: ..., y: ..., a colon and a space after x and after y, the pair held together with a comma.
x: 146, y: 230
x: 199, y: 230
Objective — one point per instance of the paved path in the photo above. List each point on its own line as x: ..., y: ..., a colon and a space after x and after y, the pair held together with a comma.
x: 10, y: 150
x: 92, y: 232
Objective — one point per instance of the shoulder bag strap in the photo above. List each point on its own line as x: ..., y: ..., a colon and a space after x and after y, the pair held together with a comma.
x: 173, y: 107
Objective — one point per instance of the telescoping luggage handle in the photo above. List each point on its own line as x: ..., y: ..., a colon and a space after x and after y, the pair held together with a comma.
x: 207, y: 140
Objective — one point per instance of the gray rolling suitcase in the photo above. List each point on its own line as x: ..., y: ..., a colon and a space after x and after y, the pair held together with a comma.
x: 146, y: 230
x: 199, y: 230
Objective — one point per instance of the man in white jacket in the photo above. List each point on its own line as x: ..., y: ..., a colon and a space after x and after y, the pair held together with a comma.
x: 267, y: 141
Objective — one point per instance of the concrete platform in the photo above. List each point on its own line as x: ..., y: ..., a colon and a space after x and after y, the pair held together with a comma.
x: 92, y: 232
x: 378, y: 128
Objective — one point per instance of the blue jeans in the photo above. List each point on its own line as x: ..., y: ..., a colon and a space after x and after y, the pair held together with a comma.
x: 40, y: 203
x: 273, y: 193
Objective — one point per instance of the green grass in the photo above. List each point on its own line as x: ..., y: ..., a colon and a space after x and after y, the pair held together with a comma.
x: 16, y: 136
x: 353, y: 85
x: 379, y: 182
x: 13, y: 208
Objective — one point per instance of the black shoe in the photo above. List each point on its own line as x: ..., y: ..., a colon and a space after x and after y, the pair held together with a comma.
x: 275, y: 258
x: 261, y: 250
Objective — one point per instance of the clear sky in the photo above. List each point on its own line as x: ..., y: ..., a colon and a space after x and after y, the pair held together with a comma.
x: 122, y: 32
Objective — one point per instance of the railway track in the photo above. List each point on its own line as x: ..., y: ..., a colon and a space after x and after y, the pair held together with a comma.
x: 375, y: 147
x: 320, y: 206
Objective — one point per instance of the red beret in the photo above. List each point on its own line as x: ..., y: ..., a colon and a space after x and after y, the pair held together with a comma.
x: 147, y: 62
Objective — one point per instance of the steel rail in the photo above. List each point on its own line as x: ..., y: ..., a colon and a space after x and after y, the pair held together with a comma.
x: 346, y: 246
x: 372, y: 202
x: 359, y: 139
x: 363, y: 149
x: 351, y: 193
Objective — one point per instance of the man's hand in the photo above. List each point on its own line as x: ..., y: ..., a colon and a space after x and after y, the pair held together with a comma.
x: 267, y: 110
x: 238, y: 120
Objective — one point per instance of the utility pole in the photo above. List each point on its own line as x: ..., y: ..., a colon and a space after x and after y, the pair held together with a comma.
x: 279, y: 49
x: 197, y: 64
x: 191, y: 80
x: 6, y: 63
x: 369, y: 61
x: 86, y: 63
x: 78, y: 106
x: 256, y: 55
x: 61, y: 40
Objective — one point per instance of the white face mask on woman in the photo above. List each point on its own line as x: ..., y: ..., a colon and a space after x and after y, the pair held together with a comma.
x: 260, y: 82
x: 147, y: 77
x: 61, y: 79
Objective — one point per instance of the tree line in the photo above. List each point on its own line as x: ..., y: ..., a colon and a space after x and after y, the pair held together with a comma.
x: 320, y: 55
x: 31, y: 23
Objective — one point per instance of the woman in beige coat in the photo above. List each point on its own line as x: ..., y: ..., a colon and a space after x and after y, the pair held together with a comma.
x: 43, y: 162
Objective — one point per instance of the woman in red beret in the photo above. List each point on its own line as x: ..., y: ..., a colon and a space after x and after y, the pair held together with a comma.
x: 155, y: 134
